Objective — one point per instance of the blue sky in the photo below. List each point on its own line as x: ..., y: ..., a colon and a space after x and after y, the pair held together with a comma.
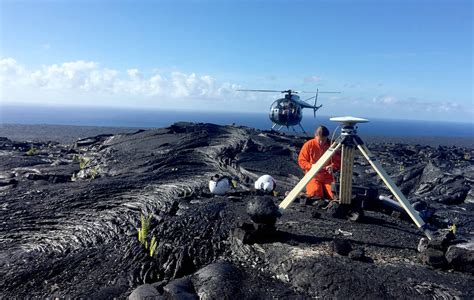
x: 390, y: 59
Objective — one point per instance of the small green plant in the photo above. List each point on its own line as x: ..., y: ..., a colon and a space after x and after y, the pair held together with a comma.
x: 143, y: 231
x: 153, y: 245
x: 83, y: 161
x: 93, y: 172
x: 31, y: 152
x: 142, y: 235
x: 453, y: 228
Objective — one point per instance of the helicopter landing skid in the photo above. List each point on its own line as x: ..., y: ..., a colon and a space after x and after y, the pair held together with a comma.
x: 288, y: 127
x: 303, y: 129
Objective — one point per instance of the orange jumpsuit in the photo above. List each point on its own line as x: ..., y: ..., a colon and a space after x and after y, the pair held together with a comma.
x: 320, y: 185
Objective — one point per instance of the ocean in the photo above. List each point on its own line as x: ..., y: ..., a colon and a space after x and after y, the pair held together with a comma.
x: 152, y: 118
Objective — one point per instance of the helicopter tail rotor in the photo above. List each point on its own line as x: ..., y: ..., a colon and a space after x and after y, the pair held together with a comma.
x: 315, y: 108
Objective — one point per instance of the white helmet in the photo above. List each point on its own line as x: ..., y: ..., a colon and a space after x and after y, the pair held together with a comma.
x: 265, y: 183
x: 219, y: 185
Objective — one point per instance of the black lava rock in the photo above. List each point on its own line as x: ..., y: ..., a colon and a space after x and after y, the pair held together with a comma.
x: 441, y: 241
x: 420, y: 206
x: 423, y: 244
x: 8, y: 181
x: 262, y: 228
x: 146, y: 291
x: 456, y: 198
x: 427, y: 214
x: 357, y: 254
x: 356, y: 215
x: 249, y: 233
x: 336, y: 210
x: 434, y: 258
x: 263, y: 210
x: 180, y: 289
x: 315, y: 214
x: 341, y: 247
x: 245, y: 236
x: 396, y: 214
x: 218, y: 281
x: 461, y: 257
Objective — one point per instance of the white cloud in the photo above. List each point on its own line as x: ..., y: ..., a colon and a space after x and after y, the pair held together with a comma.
x: 90, y: 77
x: 193, y: 85
x: 71, y: 75
x: 10, y: 70
x: 134, y: 73
x: 312, y: 79
x: 450, y: 106
x: 46, y: 46
x: 386, y: 100
x: 415, y: 104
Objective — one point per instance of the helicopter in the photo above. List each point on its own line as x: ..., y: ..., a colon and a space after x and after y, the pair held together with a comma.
x: 288, y: 111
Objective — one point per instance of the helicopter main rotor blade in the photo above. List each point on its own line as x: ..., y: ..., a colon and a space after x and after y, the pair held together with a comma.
x: 271, y: 91
x: 287, y: 91
x: 263, y: 91
x: 321, y: 92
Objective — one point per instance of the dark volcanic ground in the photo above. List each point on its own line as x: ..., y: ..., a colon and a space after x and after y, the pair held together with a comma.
x: 67, y: 134
x: 70, y: 217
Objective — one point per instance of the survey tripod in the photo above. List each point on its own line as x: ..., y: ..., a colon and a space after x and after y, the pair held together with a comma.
x: 348, y: 141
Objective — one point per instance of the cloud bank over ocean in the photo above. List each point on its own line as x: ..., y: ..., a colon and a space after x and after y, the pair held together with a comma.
x: 83, y: 82
x: 90, y: 76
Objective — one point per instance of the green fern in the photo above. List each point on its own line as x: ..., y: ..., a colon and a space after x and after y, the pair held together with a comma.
x: 153, y: 245
x: 142, y: 235
x: 31, y: 152
x: 452, y: 228
x: 93, y: 172
x: 143, y: 231
x: 83, y: 161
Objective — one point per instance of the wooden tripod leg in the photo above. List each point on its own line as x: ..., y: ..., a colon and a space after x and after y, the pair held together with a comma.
x: 345, y: 189
x: 308, y: 176
x: 393, y: 188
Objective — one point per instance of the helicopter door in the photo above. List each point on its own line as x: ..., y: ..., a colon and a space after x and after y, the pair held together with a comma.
x: 274, y: 113
x: 284, y: 113
x: 291, y: 113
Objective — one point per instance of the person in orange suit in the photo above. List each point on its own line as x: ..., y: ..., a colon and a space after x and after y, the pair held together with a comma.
x: 312, y: 150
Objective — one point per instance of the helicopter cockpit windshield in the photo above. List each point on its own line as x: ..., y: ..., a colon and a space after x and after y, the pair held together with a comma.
x: 286, y: 112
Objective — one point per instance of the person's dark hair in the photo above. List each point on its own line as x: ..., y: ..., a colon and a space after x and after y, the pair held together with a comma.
x: 322, y: 131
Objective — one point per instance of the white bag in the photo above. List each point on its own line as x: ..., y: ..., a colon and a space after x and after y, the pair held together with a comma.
x: 219, y: 185
x: 265, y: 183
